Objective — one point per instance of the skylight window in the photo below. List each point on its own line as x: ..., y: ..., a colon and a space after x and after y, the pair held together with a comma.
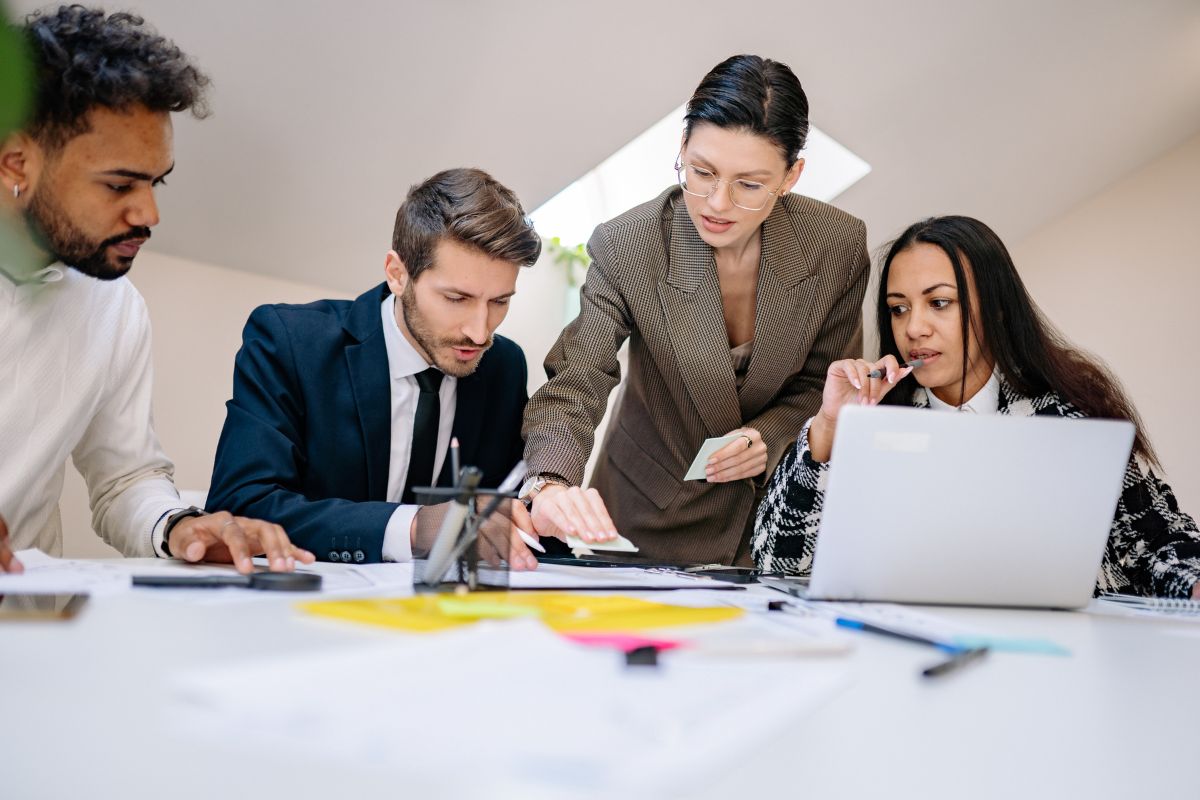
x: 643, y: 168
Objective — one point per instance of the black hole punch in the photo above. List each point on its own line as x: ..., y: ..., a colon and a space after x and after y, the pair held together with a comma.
x: 645, y: 656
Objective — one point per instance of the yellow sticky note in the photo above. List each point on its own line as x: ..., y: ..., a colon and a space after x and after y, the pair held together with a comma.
x: 561, y: 611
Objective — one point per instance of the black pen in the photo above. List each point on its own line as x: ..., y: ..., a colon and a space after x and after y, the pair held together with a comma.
x: 879, y: 373
x: 959, y: 659
x: 859, y: 625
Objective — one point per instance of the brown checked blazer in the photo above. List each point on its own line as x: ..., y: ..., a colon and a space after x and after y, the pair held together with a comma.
x: 653, y: 280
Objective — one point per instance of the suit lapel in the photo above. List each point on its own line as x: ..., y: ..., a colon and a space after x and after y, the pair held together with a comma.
x: 778, y: 312
x: 366, y: 359
x: 691, y: 300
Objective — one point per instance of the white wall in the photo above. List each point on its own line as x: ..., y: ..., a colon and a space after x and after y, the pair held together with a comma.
x: 1120, y: 275
x: 197, y: 312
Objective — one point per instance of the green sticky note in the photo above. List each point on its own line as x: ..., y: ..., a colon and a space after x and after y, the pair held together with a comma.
x: 482, y: 609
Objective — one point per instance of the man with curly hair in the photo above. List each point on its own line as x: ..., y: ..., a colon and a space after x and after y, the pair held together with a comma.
x: 75, y: 374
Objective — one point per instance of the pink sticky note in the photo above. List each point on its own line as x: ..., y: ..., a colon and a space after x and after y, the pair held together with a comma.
x: 622, y: 641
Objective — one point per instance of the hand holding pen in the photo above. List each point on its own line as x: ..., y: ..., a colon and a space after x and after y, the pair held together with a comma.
x: 852, y: 381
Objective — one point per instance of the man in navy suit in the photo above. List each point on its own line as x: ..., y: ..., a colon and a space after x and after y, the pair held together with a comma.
x: 340, y: 408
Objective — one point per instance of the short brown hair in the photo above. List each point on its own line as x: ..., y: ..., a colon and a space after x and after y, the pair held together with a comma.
x: 467, y: 206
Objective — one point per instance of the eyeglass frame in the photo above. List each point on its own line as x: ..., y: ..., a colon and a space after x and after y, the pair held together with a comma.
x: 680, y: 165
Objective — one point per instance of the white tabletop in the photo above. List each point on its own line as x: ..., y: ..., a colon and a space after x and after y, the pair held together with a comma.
x: 85, y: 711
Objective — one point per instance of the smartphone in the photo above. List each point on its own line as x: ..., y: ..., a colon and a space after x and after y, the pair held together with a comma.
x: 40, y: 606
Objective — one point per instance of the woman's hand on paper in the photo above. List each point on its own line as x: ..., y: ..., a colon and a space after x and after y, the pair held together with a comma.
x: 745, y: 457
x: 562, y: 511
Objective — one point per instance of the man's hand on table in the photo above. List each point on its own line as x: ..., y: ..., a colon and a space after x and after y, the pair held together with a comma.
x: 224, y: 538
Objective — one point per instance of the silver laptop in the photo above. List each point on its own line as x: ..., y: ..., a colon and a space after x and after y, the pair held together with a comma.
x: 957, y: 508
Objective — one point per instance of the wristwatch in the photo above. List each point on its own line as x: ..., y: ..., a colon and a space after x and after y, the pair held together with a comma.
x: 175, y: 519
x: 536, y: 483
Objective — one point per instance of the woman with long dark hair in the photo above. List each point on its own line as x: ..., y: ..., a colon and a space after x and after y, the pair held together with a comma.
x: 950, y: 297
x: 735, y: 296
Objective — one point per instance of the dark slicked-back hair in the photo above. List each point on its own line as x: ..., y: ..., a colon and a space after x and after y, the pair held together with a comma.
x: 469, y: 207
x: 84, y: 58
x: 753, y: 94
x: 1031, y: 354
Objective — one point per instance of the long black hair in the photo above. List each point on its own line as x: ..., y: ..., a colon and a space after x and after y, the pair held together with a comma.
x: 1031, y: 354
x: 754, y: 94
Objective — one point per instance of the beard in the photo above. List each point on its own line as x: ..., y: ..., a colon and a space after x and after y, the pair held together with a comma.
x: 433, y: 345
x: 55, y: 232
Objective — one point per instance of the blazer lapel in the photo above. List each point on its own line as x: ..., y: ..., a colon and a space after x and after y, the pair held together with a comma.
x: 691, y: 300
x: 366, y: 359
x: 780, y: 309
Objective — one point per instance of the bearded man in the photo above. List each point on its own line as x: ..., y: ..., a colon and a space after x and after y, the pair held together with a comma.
x: 79, y: 182
x: 341, y: 408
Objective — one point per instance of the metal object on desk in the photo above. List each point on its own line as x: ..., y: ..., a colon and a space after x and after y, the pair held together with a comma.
x: 457, y: 542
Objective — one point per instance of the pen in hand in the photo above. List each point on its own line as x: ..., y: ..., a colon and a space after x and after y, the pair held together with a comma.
x: 507, y: 485
x: 454, y: 460
x: 879, y: 373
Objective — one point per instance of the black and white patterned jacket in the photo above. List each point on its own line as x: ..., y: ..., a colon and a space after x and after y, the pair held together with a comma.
x: 1153, y: 547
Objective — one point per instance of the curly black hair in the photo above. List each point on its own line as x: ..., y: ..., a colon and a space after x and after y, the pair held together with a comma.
x: 84, y: 58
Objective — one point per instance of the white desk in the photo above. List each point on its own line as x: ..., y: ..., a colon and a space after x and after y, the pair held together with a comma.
x: 82, y: 714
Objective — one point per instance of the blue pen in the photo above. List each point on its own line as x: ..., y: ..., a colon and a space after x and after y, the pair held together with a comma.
x: 858, y: 625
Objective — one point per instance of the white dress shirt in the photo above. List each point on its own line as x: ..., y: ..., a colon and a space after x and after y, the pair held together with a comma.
x: 985, y: 401
x: 404, y: 362
x: 75, y: 380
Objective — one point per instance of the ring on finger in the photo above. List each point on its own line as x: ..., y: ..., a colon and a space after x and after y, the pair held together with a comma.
x: 749, y: 441
x: 227, y: 524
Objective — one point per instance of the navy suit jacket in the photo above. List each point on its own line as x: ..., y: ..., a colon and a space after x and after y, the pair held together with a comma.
x: 308, y: 434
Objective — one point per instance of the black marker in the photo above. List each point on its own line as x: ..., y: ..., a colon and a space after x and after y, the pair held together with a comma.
x: 957, y: 660
x: 879, y: 373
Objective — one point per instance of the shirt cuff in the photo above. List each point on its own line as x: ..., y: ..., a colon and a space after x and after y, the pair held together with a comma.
x: 158, y: 532
x: 397, y: 536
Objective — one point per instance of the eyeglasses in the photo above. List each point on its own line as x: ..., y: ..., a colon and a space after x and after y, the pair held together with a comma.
x: 746, y: 195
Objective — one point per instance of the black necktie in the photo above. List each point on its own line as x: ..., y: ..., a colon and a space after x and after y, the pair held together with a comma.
x: 425, y: 433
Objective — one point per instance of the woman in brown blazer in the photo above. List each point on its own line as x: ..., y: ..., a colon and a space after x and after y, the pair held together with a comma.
x: 735, y: 296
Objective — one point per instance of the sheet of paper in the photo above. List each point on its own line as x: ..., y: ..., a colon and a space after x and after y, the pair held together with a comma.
x: 508, y: 709
x: 337, y: 580
x: 48, y: 575
x: 696, y: 470
x: 618, y: 545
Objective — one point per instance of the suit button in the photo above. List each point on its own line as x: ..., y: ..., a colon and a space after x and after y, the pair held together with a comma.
x: 346, y: 556
x: 334, y: 555
x: 359, y: 556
